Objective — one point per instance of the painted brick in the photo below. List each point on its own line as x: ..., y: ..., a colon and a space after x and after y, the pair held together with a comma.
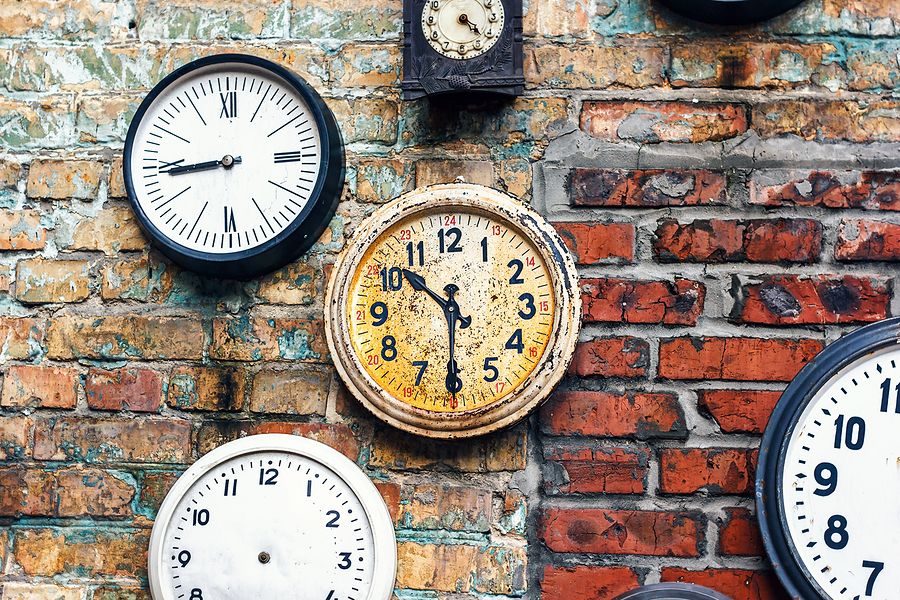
x: 559, y: 18
x: 739, y: 411
x: 609, y: 300
x: 251, y: 339
x: 127, y: 279
x: 390, y: 493
x: 863, y: 239
x: 382, y: 179
x: 602, y: 531
x: 208, y: 19
x: 47, y: 122
x: 125, y: 336
x: 503, y: 451
x: 584, y: 66
x: 82, y: 19
x: 40, y: 386
x: 712, y: 470
x: 292, y: 392
x: 453, y: 508
x: 735, y: 358
x: 110, y: 231
x: 371, y: 65
x: 597, y: 243
x: 868, y: 64
x: 340, y: 437
x: 147, y: 439
x: 41, y: 281
x: 82, y: 551
x: 366, y: 119
x: 871, y: 190
x: 739, y: 534
x: 611, y: 357
x: 461, y: 568
x: 854, y: 121
x: 598, y: 471
x: 40, y: 591
x: 516, y: 177
x: 738, y: 584
x: 15, y: 436
x: 207, y: 388
x: 430, y: 172
x: 652, y: 188
x: 652, y: 122
x: 138, y: 390
x: 813, y: 300
x: 105, y: 119
x: 633, y: 414
x: 116, y: 184
x: 121, y: 592
x: 20, y: 337
x: 345, y: 19
x: 10, y: 173
x: 154, y: 485
x: 74, y: 492
x: 21, y: 230
x: 293, y: 284
x: 61, y: 179
x: 587, y: 582
x: 752, y: 240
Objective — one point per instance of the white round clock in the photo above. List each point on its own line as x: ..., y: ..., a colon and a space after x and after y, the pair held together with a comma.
x: 828, y: 484
x: 462, y: 29
x: 273, y: 516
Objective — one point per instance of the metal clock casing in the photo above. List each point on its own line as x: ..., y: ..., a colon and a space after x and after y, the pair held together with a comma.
x: 828, y: 479
x: 247, y: 160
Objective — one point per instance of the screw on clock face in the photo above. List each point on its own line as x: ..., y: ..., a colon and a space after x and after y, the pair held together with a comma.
x: 264, y: 557
x: 227, y: 161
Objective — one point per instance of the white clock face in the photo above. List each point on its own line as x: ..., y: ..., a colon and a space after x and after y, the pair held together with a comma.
x: 225, y: 158
x: 462, y: 29
x: 263, y: 520
x: 841, y: 482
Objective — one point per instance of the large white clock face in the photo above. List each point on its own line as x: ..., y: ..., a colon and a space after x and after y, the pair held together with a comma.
x: 225, y: 158
x: 268, y: 523
x: 841, y: 482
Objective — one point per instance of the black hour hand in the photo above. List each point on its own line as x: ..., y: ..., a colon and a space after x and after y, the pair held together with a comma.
x: 418, y: 284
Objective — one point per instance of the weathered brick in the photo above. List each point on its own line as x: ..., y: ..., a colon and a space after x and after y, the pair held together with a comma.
x: 127, y: 279
x: 735, y: 358
x: 41, y: 281
x: 870, y: 190
x: 501, y: 451
x: 154, y: 486
x: 366, y: 119
x: 559, y: 18
x: 209, y: 19
x: 430, y: 172
x: 587, y: 582
x: 652, y: 122
x: 125, y: 336
x: 121, y: 592
x: 26, y: 492
x: 863, y: 239
x: 597, y: 471
x: 602, y: 531
x: 293, y: 392
x: 40, y: 386
x: 739, y: 534
x: 855, y: 121
x: 105, y: 119
x: 738, y: 584
x: 62, y: 179
x: 145, y: 439
x: 50, y: 551
x: 382, y: 179
x: 598, y: 243
x: 138, y: 390
x: 633, y: 414
x: 252, y: 338
x: 752, y: 240
x: 739, y: 411
x: 340, y: 437
x: 207, y: 388
x: 116, y: 185
x: 713, y: 470
x: 75, y: 492
x: 48, y: 122
x: 390, y: 493
x: 611, y: 357
x: 587, y: 66
x: 292, y: 284
x: 21, y: 230
x: 443, y: 507
x: 345, y: 19
x: 461, y: 568
x: 811, y: 300
x: 15, y: 436
x: 110, y: 231
x: 515, y: 176
x: 868, y: 64
x: 610, y: 300
x: 646, y: 188
x: 81, y: 19
x: 20, y: 337
x: 10, y: 173
x: 371, y: 65
x: 12, y: 590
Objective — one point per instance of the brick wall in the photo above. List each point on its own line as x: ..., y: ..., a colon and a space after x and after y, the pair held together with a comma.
x: 728, y: 195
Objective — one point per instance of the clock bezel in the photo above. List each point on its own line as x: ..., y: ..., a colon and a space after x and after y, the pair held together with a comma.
x: 828, y: 364
x: 383, y: 538
x: 295, y: 239
x: 557, y: 354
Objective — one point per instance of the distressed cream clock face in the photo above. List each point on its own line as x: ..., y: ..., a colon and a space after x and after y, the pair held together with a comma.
x: 462, y: 29
x: 446, y: 313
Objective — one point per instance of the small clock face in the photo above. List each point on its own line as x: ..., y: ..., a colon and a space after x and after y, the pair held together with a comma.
x: 256, y: 517
x: 451, y: 316
x: 228, y: 158
x: 462, y: 29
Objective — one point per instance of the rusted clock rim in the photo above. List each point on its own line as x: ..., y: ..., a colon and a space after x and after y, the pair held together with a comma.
x: 557, y: 354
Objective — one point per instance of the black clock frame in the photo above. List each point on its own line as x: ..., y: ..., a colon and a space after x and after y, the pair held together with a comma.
x: 672, y: 591
x: 427, y: 72
x: 303, y: 231
x: 772, y: 522
x: 731, y: 12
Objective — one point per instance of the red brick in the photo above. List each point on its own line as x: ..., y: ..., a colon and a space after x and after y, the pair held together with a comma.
x: 598, y: 471
x: 739, y: 534
x: 339, y: 437
x: 145, y: 439
x: 646, y: 188
x: 219, y: 388
x: 390, y: 492
x: 250, y: 339
x: 128, y: 336
x: 138, y: 390
x: 737, y: 584
x: 26, y: 492
x: 872, y: 190
x: 587, y: 583
x: 638, y: 414
x: 75, y: 492
x: 652, y: 122
x: 611, y: 357
x: 610, y: 300
x: 44, y: 387
x: 713, y: 470
x: 863, y: 239
x: 856, y: 121
x: 735, y: 358
x: 15, y: 436
x: 811, y: 300
x: 602, y: 531
x: 753, y: 240
x: 739, y: 411
x: 82, y: 552
x: 596, y: 243
x: 20, y: 337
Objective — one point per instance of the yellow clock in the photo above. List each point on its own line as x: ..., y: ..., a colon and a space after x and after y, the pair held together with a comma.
x: 453, y: 311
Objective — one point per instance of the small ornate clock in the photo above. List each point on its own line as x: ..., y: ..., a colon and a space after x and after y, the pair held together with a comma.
x: 453, y: 311
x: 828, y: 483
x: 233, y: 166
x: 267, y: 516
x: 462, y: 45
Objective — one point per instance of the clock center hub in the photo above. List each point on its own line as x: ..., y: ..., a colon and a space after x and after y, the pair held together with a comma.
x: 228, y: 161
x: 264, y: 557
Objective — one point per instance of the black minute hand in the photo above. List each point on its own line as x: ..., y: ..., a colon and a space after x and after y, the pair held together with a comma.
x: 227, y: 161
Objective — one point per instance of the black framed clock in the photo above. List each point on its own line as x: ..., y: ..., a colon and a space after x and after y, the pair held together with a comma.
x: 462, y: 46
x: 731, y: 12
x: 233, y: 165
x: 828, y: 481
x: 672, y: 591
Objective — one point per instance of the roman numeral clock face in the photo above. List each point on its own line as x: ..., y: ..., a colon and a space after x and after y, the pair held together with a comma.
x: 232, y: 163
